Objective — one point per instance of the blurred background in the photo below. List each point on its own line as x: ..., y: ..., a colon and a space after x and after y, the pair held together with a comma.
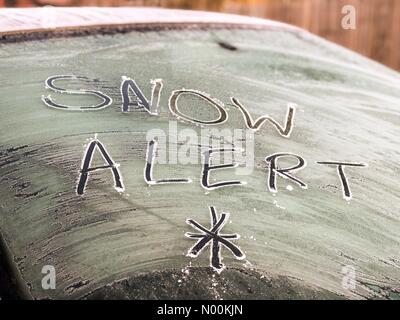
x: 376, y: 33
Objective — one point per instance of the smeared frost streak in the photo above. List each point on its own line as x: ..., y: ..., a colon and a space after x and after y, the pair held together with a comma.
x: 173, y: 107
x: 214, y: 238
x: 48, y: 101
x: 151, y: 107
x: 347, y: 195
x: 148, y: 169
x: 256, y: 125
x: 86, y: 167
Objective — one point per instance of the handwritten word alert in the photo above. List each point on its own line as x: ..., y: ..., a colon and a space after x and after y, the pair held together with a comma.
x: 132, y: 95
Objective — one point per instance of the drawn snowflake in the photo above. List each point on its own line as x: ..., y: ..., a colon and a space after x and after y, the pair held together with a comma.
x: 215, y: 239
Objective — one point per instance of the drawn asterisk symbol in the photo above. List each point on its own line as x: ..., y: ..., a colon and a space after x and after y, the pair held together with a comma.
x: 215, y: 239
